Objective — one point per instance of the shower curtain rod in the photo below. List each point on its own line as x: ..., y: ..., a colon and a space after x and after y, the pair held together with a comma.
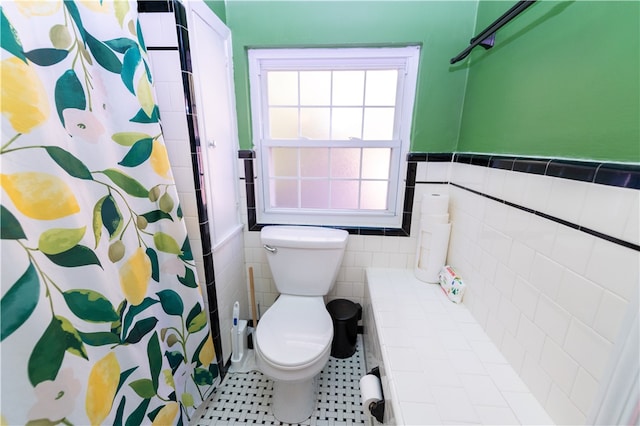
x: 487, y: 37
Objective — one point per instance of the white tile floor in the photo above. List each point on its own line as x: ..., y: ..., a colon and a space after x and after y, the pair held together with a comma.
x: 245, y: 398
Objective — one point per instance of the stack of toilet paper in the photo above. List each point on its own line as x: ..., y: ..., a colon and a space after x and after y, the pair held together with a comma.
x: 433, y: 238
x: 452, y: 284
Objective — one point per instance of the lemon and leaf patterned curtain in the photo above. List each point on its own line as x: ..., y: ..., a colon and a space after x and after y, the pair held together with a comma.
x: 102, y: 318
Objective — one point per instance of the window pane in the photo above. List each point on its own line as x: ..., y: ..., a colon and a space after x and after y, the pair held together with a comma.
x: 345, y: 162
x: 348, y: 88
x: 315, y: 194
x: 346, y: 123
x: 284, y: 193
x: 381, y: 88
x: 315, y: 88
x: 375, y: 163
x: 314, y: 162
x: 374, y: 195
x: 344, y: 194
x: 284, y: 162
x: 314, y: 123
x: 329, y: 131
x: 283, y: 123
x: 378, y: 123
x: 282, y: 87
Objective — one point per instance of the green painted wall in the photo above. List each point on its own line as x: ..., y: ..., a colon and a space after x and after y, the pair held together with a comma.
x: 442, y: 27
x: 219, y: 8
x: 562, y: 81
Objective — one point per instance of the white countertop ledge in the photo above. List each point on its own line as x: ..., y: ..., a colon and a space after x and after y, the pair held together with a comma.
x: 439, y: 365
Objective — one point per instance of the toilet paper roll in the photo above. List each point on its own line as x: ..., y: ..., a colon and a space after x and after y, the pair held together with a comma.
x: 431, y: 255
x: 370, y: 391
x: 422, y: 260
x: 425, y: 244
x: 434, y: 204
x: 427, y: 219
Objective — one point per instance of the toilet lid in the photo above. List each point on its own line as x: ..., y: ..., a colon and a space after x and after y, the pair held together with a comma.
x: 294, y: 331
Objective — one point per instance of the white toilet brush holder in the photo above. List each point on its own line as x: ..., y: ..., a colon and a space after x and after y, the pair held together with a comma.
x: 239, y: 343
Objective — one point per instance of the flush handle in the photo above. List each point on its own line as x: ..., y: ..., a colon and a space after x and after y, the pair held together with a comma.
x: 270, y: 249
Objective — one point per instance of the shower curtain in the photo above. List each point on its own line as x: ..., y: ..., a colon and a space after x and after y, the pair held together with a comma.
x: 102, y: 318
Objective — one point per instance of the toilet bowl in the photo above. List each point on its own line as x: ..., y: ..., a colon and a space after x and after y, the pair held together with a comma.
x: 293, y: 337
x: 293, y: 344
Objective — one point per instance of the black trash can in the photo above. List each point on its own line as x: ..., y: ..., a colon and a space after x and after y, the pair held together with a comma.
x: 345, y: 315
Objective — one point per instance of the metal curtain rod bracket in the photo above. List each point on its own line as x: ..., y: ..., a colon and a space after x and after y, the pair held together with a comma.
x: 487, y: 37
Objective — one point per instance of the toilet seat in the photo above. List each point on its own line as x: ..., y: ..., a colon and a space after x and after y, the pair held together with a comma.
x: 294, y: 332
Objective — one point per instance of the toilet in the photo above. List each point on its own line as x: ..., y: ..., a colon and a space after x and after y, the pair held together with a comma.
x: 293, y: 337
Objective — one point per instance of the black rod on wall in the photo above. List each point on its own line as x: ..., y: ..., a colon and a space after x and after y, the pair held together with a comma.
x: 486, y: 38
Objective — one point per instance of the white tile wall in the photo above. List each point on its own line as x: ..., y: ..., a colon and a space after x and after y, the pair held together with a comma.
x: 159, y: 30
x: 608, y: 209
x: 632, y: 229
x: 537, y: 191
x: 512, y: 349
x: 530, y: 337
x: 563, y: 409
x: 552, y: 319
x: 535, y: 377
x: 614, y: 267
x: 584, y: 390
x: 559, y: 365
x: 564, y: 197
x: 569, y: 288
x: 525, y: 297
x: 579, y: 296
x: 231, y: 285
x: 229, y: 260
x: 572, y: 248
x: 609, y: 315
x: 587, y: 347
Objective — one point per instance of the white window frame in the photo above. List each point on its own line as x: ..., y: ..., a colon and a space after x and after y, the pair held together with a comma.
x: 405, y: 59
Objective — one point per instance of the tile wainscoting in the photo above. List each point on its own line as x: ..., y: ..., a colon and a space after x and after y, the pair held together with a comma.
x: 551, y: 264
x: 549, y: 250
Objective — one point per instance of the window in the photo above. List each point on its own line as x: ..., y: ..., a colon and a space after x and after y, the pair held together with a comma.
x: 331, y: 131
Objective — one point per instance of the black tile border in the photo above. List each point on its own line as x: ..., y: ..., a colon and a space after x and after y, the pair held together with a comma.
x: 571, y: 170
x: 432, y: 157
x: 618, y: 175
x: 153, y: 6
x: 611, y: 174
x: 164, y: 48
x: 196, y: 160
x: 246, y: 153
x: 622, y: 175
x: 502, y: 163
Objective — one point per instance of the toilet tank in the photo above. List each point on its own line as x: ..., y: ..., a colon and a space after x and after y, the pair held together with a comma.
x: 304, y: 260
